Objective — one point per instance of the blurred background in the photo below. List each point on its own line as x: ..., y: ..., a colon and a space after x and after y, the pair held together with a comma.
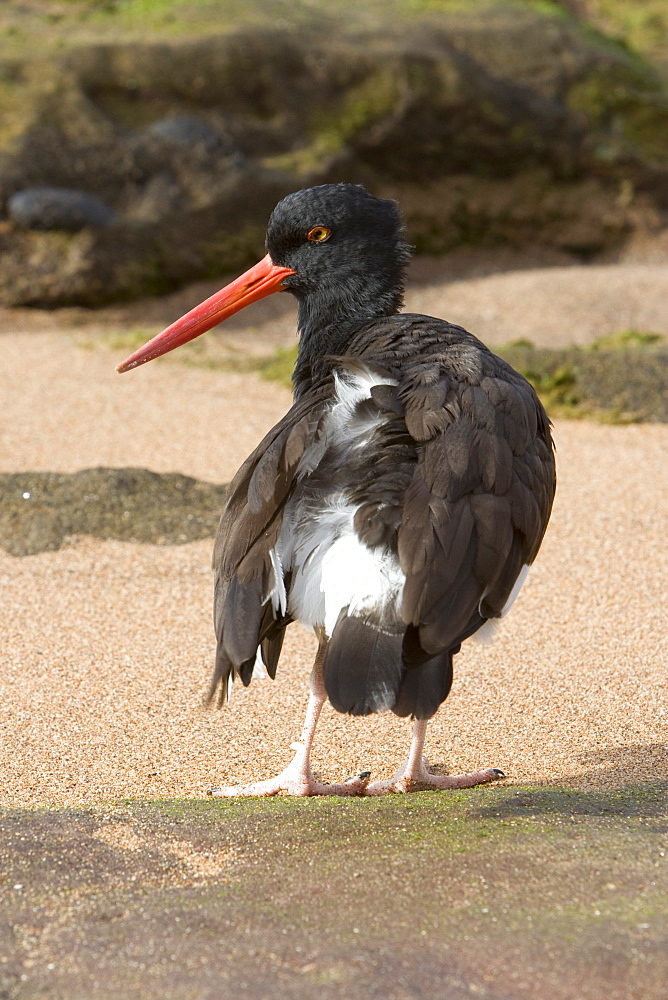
x: 143, y: 143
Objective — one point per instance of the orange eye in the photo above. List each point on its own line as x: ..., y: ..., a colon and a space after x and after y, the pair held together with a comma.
x: 318, y: 234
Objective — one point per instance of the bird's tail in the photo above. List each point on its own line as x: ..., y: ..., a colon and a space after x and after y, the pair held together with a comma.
x: 366, y: 670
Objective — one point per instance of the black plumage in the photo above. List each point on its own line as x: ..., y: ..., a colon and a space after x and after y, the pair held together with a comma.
x: 409, y: 445
x: 457, y: 481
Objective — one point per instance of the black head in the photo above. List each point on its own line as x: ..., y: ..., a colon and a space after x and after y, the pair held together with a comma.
x: 347, y: 249
x: 338, y: 249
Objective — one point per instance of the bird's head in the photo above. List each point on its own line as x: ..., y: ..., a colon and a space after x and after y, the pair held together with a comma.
x: 338, y: 249
x: 341, y: 242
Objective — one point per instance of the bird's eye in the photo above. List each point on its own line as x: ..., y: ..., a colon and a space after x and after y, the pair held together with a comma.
x: 318, y: 234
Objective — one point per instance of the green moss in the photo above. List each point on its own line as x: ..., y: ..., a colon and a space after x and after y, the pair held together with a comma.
x: 359, y: 108
x: 619, y: 379
x: 127, y: 340
x: 126, y: 107
x: 627, y: 104
x: 406, y: 888
x: 131, y: 86
x: 303, y: 162
x: 144, y: 275
x: 625, y: 339
x: 17, y: 109
x: 280, y: 367
x: 643, y: 24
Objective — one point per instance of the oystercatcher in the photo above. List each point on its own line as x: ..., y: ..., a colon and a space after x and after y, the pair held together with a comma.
x: 397, y: 506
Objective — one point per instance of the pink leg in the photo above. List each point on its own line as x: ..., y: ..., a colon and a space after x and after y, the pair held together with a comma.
x: 415, y: 775
x: 297, y: 778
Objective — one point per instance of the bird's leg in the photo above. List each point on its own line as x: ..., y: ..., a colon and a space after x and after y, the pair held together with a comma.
x: 297, y: 778
x: 415, y: 774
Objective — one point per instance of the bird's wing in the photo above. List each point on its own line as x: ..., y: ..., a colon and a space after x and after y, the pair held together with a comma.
x: 244, y: 570
x: 481, y: 485
x: 481, y: 493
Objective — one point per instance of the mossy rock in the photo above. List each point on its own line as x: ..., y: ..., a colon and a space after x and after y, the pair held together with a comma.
x: 398, y: 896
x: 39, y: 510
x: 621, y: 378
x: 492, y: 123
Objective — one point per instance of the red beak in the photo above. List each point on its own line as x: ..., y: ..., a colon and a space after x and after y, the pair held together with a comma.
x: 262, y: 279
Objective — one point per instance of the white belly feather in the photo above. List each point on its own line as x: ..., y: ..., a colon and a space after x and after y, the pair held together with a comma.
x: 331, y: 568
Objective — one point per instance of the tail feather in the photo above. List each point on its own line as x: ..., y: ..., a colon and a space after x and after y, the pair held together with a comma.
x: 424, y: 688
x: 366, y: 671
x: 270, y: 648
x: 362, y: 668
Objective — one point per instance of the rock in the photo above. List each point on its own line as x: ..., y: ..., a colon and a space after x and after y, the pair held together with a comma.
x: 187, y: 132
x: 40, y: 509
x: 58, y: 208
x: 499, y: 126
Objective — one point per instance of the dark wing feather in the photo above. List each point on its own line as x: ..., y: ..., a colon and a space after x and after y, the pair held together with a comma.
x: 249, y: 527
x: 460, y: 487
x: 476, y: 487
x: 481, y: 494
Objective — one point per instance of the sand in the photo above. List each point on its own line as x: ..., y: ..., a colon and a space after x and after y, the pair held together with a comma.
x: 108, y: 646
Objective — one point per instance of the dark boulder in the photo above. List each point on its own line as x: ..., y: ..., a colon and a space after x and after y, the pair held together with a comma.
x: 47, y: 208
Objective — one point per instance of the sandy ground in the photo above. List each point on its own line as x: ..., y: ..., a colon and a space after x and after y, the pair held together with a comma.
x: 107, y: 646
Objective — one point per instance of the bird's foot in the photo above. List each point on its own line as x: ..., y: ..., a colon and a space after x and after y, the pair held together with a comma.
x: 285, y: 784
x: 421, y: 779
x: 296, y: 779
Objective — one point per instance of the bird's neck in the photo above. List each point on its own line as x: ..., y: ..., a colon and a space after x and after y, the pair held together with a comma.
x: 326, y: 329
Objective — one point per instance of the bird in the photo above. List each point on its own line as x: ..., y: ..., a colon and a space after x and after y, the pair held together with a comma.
x: 394, y: 510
